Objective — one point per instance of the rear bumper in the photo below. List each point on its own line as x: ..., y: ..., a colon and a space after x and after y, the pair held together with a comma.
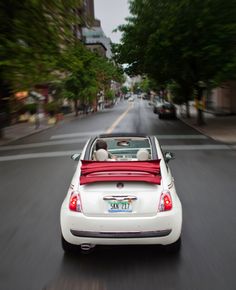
x: 163, y: 228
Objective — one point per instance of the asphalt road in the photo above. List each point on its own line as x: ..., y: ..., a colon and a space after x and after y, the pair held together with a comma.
x: 35, y: 173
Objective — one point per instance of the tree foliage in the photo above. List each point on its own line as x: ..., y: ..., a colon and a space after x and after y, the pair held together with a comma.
x: 85, y: 74
x: 38, y: 45
x: 189, y: 42
x: 32, y: 35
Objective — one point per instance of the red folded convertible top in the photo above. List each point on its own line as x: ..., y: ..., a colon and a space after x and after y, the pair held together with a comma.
x: 98, y: 171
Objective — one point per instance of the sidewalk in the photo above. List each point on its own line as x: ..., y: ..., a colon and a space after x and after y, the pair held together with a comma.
x: 219, y: 128
x: 20, y: 130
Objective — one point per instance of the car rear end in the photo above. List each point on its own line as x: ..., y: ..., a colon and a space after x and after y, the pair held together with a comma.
x: 116, y: 213
x: 167, y: 111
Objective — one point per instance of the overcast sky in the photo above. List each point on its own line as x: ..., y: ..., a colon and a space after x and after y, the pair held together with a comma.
x: 111, y: 13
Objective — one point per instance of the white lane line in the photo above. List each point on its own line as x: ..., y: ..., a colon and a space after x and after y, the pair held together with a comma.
x: 181, y: 137
x: 80, y: 140
x: 72, y: 135
x: 42, y: 144
x: 38, y: 155
x: 68, y: 153
x: 196, y: 147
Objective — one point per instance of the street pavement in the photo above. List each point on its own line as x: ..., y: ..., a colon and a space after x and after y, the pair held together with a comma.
x: 219, y: 128
x: 35, y: 173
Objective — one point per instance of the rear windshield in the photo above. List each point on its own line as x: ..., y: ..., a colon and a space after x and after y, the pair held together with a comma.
x: 168, y: 106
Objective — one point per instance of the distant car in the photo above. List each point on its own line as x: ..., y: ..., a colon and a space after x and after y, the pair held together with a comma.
x: 130, y: 99
x: 157, y: 103
x: 123, y: 201
x: 167, y: 110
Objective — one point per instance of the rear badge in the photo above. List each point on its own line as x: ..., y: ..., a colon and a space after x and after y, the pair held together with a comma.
x: 120, y: 185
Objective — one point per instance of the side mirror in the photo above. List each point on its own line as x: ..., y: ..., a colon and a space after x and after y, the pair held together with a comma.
x: 169, y: 156
x: 76, y: 156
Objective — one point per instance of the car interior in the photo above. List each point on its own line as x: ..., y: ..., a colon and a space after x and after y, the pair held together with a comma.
x: 124, y: 149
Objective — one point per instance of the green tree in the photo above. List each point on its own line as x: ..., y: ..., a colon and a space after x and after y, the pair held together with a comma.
x: 189, y: 42
x: 80, y: 75
x: 32, y: 36
x: 124, y: 90
x: 86, y: 74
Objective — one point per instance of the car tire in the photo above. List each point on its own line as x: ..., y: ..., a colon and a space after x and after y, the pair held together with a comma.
x: 160, y: 116
x: 154, y: 111
x: 175, y: 247
x: 67, y: 247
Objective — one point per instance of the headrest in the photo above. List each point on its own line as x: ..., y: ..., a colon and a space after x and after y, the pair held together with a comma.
x: 101, y: 155
x: 142, y: 154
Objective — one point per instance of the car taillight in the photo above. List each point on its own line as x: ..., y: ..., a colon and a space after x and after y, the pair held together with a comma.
x: 75, y: 202
x: 165, y: 201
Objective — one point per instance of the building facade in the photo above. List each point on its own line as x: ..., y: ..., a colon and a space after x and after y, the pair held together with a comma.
x: 222, y: 100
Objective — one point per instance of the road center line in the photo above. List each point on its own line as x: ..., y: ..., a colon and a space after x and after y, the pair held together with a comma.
x: 119, y: 119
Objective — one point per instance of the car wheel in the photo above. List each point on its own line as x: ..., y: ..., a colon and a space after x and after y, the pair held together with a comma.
x: 67, y: 247
x: 154, y: 111
x: 175, y: 247
x: 160, y: 116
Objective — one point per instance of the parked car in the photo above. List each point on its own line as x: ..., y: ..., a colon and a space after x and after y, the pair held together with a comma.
x: 167, y: 110
x: 128, y: 200
x: 130, y: 99
x: 127, y: 96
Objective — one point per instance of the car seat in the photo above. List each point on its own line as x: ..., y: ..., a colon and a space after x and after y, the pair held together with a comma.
x: 142, y: 154
x: 101, y: 155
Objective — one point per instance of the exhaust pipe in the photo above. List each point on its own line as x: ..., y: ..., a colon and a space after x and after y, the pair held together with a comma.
x: 86, y: 247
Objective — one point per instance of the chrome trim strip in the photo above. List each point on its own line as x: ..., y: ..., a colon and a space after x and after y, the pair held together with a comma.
x: 121, y: 235
x: 120, y: 197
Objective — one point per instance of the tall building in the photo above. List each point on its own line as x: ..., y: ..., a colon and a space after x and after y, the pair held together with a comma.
x: 96, y: 40
x: 93, y: 35
x: 89, y: 12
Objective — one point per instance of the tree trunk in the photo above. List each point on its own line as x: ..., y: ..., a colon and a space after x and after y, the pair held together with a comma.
x: 187, y: 110
x: 5, y: 93
x: 200, y: 115
x: 76, y: 107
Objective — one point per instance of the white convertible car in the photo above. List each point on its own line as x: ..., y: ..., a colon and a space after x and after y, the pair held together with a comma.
x: 123, y: 196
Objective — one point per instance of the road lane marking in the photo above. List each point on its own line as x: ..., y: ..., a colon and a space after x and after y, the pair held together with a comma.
x: 119, y: 119
x: 81, y: 140
x: 68, y: 153
x: 196, y: 147
x: 43, y: 144
x: 38, y: 155
x: 79, y: 134
x: 181, y: 136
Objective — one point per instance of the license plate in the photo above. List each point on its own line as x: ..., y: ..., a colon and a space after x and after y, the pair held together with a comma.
x: 119, y: 206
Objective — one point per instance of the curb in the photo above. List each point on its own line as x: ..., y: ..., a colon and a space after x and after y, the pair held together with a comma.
x: 5, y: 143
x: 233, y: 145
